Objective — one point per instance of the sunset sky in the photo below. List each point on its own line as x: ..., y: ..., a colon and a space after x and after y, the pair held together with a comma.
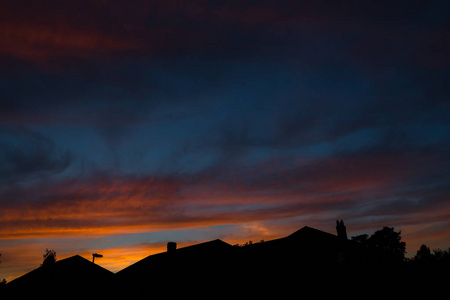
x: 128, y: 124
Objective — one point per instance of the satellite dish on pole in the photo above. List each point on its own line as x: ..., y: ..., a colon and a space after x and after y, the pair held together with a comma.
x: 94, y: 255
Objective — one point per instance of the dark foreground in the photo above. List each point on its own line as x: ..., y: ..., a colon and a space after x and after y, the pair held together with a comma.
x: 306, y: 264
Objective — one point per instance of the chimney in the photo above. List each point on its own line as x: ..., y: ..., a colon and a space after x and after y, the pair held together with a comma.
x: 171, y: 247
x: 341, y: 230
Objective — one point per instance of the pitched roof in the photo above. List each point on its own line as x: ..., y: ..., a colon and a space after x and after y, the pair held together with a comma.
x: 311, y: 234
x: 68, y: 272
x: 214, y: 245
x: 159, y: 260
x: 306, y: 236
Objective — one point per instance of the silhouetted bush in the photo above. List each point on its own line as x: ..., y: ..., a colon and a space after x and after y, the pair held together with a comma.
x: 49, y: 257
x: 248, y: 243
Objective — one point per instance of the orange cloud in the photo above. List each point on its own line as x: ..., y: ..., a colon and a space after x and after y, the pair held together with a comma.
x: 360, y: 190
x: 95, y: 209
x: 124, y: 205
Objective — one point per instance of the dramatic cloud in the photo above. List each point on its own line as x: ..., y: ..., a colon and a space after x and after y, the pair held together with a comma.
x: 366, y: 184
x: 26, y: 155
x: 124, y: 124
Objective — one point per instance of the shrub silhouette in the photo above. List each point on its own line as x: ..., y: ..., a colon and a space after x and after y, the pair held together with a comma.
x: 49, y: 257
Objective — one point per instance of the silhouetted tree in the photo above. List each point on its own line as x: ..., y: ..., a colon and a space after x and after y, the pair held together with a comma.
x: 387, y: 246
x: 361, y: 239
x: 441, y: 256
x: 423, y: 255
x: 49, y: 257
x: 429, y: 262
x: 382, y: 247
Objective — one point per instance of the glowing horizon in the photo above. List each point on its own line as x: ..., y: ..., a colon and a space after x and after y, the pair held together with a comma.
x: 125, y: 124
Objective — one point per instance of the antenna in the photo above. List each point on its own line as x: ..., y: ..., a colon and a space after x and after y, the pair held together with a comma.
x: 94, y: 255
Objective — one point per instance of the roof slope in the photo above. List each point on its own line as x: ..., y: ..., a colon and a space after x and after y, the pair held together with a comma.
x: 305, y: 248
x: 153, y: 262
x: 208, y: 264
x: 74, y: 272
x: 312, y: 234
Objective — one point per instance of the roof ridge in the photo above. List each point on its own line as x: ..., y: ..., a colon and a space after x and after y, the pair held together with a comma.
x: 310, y: 229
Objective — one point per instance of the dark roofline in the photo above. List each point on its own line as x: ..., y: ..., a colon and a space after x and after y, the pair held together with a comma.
x: 296, y: 234
x: 84, y: 260
x: 299, y: 234
x: 307, y: 229
x: 179, y: 250
x: 216, y: 241
x: 58, y: 264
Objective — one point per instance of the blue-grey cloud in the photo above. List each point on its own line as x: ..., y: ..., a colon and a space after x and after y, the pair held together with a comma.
x: 27, y: 155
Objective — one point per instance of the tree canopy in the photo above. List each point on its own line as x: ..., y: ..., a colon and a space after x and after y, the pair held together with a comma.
x: 384, y: 246
x: 425, y: 256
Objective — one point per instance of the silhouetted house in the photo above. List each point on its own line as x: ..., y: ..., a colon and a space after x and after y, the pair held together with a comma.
x: 67, y: 277
x: 306, y: 258
x: 185, y: 266
x: 302, y: 255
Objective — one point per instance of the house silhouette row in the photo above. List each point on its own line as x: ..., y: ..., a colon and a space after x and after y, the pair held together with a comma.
x: 308, y: 259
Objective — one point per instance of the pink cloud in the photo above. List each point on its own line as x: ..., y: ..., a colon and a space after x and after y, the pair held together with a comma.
x: 130, y: 204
